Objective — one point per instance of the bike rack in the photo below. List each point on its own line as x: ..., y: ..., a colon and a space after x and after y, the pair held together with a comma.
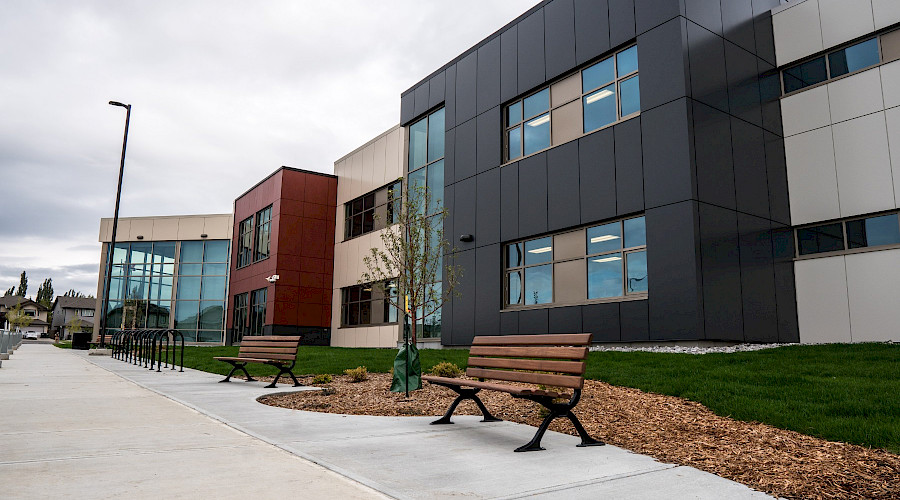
x: 144, y: 347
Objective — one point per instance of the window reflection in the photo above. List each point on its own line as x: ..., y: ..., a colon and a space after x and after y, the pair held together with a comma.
x: 539, y: 284
x: 825, y: 238
x: 874, y: 231
x: 605, y: 276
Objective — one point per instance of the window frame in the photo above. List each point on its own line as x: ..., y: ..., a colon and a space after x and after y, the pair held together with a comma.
x: 260, y: 224
x: 617, y: 81
x: 391, y: 205
x: 846, y: 244
x: 245, y: 259
x: 826, y: 54
x: 585, y: 256
x: 374, y: 297
x: 256, y: 324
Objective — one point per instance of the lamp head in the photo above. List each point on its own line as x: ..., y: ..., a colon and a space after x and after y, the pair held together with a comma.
x: 117, y: 103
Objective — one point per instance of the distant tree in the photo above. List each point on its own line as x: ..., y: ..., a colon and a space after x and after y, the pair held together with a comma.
x: 73, y: 293
x: 23, y: 285
x: 17, y: 317
x: 74, y: 325
x: 45, y: 293
x: 9, y: 292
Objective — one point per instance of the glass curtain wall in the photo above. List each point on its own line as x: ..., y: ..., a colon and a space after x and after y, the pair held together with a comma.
x: 202, y: 280
x: 426, y: 169
x: 140, y: 294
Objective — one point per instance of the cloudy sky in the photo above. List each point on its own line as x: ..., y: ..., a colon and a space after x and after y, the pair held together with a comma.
x: 223, y: 93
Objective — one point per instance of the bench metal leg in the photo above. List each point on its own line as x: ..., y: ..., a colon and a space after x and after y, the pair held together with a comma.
x: 234, y: 368
x: 282, y: 371
x: 559, y: 410
x: 463, y: 395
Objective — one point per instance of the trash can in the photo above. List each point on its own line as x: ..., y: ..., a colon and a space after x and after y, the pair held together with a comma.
x: 81, y: 340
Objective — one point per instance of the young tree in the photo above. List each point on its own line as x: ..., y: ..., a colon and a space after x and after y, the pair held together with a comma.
x: 409, y: 270
x: 23, y: 285
x: 17, y: 317
x: 74, y: 325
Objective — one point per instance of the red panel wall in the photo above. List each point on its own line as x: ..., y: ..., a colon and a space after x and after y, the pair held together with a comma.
x: 301, y: 248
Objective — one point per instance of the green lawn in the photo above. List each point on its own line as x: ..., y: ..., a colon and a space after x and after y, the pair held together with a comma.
x: 840, y: 392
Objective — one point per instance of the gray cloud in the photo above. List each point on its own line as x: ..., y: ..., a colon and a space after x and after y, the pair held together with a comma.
x: 223, y: 94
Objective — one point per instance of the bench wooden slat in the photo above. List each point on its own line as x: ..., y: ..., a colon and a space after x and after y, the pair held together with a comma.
x: 281, y: 350
x: 509, y: 389
x: 540, y: 365
x: 534, y: 340
x: 286, y: 338
x: 260, y: 341
x: 251, y: 360
x: 528, y: 377
x: 266, y: 355
x: 578, y: 353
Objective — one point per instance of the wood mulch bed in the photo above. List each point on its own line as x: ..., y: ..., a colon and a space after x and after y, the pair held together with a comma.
x: 673, y: 430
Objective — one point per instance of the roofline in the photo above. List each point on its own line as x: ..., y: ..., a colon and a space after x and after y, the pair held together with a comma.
x: 370, y: 141
x: 279, y: 169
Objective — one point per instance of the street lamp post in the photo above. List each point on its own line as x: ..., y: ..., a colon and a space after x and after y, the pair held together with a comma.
x: 112, y: 243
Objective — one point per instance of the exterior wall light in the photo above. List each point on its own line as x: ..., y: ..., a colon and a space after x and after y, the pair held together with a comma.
x: 466, y: 238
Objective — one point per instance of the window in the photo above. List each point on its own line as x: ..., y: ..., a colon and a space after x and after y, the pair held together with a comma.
x: 852, y: 234
x: 87, y: 313
x: 603, y: 81
x: 29, y: 312
x: 200, y: 291
x: 263, y: 226
x: 597, y: 263
x: 372, y: 211
x: 363, y: 305
x: 240, y: 327
x: 837, y: 63
x: 257, y: 311
x: 245, y: 242
x: 578, y: 103
x: 141, y: 285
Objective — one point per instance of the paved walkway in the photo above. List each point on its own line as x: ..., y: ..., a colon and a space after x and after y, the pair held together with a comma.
x: 92, y: 426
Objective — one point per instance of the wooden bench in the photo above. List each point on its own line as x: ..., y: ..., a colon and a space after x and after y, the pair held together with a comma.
x: 547, y: 362
x: 275, y: 350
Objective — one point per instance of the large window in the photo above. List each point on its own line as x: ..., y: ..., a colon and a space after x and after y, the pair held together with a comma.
x: 851, y: 58
x: 140, y: 292
x: 201, y: 287
x: 366, y: 305
x: 372, y: 211
x: 597, y: 263
x: 257, y: 311
x: 263, y: 234
x: 849, y: 235
x: 426, y: 170
x: 240, y: 326
x: 245, y: 242
x: 581, y: 102
x: 611, y: 89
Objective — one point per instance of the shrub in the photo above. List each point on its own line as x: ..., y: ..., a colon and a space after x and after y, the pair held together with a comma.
x: 357, y: 374
x: 445, y: 369
x: 322, y: 378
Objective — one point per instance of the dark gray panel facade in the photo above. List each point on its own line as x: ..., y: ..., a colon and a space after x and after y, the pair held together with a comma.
x: 629, y: 168
x: 533, y: 195
x: 562, y: 187
x: 422, y: 92
x: 591, y: 29
x: 597, y: 159
x: 487, y: 224
x: 704, y: 162
x: 559, y: 37
x: 488, y: 81
x: 466, y: 83
x: 621, y: 21
x: 531, y: 52
x: 602, y: 320
x: 489, y: 136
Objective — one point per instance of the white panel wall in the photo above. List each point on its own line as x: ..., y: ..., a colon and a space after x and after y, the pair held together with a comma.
x: 873, y: 283
x: 369, y: 167
x: 851, y: 125
x: 850, y: 298
x: 803, y: 28
x: 823, y: 310
x: 812, y: 179
x: 865, y: 183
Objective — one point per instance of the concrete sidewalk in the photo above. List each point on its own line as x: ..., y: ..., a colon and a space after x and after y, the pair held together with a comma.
x: 402, y: 457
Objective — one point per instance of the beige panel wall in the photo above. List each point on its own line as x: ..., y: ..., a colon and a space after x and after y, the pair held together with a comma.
x: 371, y: 166
x: 168, y: 228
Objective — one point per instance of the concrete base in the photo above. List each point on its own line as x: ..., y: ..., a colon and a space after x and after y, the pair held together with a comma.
x: 100, y: 352
x: 4, y: 356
